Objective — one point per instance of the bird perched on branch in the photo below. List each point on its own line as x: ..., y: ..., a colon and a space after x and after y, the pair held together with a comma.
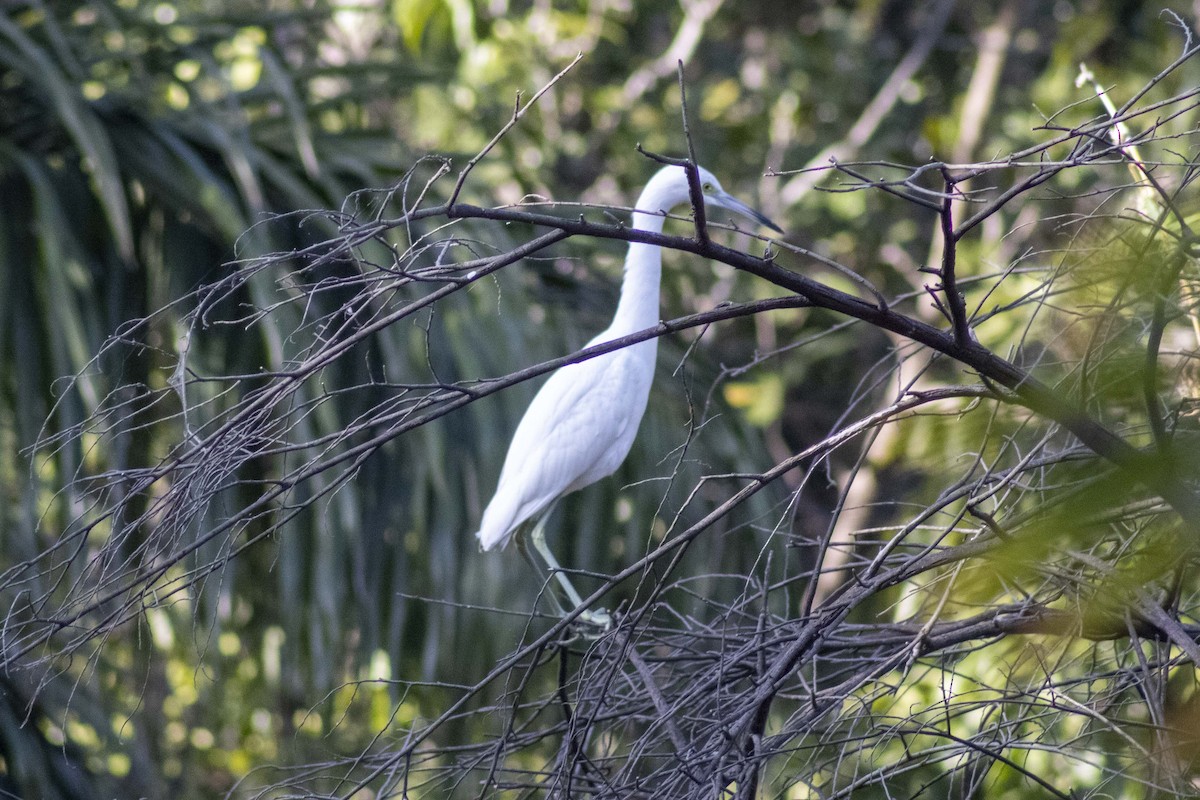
x: 581, y: 424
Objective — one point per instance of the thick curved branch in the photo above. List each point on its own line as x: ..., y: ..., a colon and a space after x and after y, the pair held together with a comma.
x: 1029, y: 391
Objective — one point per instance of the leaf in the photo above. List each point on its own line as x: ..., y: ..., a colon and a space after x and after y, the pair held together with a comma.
x: 71, y: 349
x: 412, y: 17
x: 283, y: 81
x: 80, y: 121
x: 761, y: 400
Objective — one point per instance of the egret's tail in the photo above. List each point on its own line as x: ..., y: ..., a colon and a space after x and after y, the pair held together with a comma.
x: 504, y: 516
x: 497, y: 526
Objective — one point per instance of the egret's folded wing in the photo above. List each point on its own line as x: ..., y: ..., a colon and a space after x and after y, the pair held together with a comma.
x: 570, y: 428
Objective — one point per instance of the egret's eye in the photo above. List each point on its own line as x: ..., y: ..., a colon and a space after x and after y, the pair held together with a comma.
x: 707, y: 187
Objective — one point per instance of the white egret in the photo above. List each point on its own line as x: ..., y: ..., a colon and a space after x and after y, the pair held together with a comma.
x: 581, y: 424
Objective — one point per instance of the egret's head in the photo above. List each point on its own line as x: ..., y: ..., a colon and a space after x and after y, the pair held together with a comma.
x: 669, y: 189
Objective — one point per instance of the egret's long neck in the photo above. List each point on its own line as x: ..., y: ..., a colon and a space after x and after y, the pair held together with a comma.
x: 638, y: 308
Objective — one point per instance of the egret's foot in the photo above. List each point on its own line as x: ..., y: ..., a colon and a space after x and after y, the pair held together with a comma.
x: 594, y: 623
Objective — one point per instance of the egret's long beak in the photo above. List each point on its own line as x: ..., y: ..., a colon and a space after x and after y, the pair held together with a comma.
x: 728, y: 201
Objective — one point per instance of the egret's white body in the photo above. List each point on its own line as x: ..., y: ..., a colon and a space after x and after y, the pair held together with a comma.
x: 577, y: 430
x: 581, y: 424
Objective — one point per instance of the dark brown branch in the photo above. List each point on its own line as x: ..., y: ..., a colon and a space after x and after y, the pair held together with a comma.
x: 954, y: 298
x: 695, y: 191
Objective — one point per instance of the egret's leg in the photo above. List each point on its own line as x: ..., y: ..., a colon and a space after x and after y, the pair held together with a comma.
x: 537, y: 539
x: 532, y: 558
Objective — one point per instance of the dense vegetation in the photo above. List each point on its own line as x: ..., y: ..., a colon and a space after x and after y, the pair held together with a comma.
x: 248, y: 327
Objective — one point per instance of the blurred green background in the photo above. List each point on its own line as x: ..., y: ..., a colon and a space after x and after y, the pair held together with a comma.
x: 141, y: 141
